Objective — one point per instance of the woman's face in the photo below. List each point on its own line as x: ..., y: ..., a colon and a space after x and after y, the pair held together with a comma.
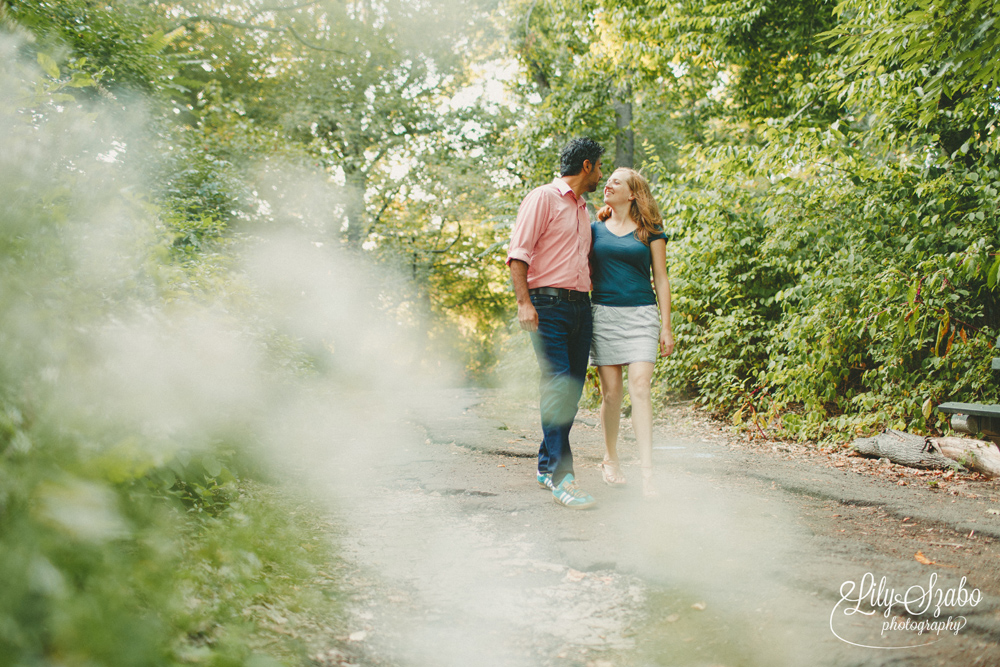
x: 616, y: 190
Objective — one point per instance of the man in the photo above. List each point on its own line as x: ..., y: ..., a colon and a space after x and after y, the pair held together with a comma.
x: 550, y: 269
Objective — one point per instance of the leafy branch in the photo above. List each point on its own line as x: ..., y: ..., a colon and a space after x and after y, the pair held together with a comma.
x: 286, y: 30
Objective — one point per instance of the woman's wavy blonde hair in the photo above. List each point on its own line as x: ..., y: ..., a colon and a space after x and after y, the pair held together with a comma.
x: 644, y: 211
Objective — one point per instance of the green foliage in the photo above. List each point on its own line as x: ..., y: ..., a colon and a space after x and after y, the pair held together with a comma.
x: 817, y: 299
x: 134, y: 530
x: 148, y: 145
x: 241, y: 574
x: 908, y: 63
x: 122, y: 574
x: 117, y: 41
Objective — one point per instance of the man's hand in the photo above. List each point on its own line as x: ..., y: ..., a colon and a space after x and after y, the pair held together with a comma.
x: 527, y: 316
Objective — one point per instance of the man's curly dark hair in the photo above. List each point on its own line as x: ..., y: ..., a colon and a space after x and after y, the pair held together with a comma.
x: 575, y: 152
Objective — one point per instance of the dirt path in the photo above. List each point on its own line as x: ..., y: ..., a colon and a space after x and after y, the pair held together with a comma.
x: 457, y: 557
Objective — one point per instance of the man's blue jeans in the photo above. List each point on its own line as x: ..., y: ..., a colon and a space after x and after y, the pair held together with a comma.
x: 562, y: 345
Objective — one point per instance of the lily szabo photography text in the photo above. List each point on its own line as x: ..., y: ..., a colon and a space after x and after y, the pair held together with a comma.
x: 527, y: 333
x: 912, y: 611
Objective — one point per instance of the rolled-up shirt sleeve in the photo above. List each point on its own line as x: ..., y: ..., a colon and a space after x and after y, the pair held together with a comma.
x: 531, y: 219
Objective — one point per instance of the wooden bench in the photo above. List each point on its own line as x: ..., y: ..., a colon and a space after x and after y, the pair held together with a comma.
x: 975, y: 417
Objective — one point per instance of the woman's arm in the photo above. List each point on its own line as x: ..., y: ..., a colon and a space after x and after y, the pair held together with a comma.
x: 661, y: 283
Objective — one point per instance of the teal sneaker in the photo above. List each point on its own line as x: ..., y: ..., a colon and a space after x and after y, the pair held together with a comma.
x: 545, y: 480
x: 572, y: 496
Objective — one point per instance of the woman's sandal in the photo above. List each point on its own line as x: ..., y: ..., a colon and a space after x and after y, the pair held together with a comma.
x: 612, y: 473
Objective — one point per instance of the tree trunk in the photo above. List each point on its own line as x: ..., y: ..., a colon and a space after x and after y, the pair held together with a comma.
x: 625, y: 138
x: 977, y: 455
x: 536, y: 68
x: 354, y: 208
x: 538, y: 75
x: 914, y: 451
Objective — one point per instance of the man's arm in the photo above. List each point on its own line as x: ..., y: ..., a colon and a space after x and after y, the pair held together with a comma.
x: 526, y: 313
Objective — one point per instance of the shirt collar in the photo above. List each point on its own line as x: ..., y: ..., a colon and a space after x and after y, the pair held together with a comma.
x: 564, y: 189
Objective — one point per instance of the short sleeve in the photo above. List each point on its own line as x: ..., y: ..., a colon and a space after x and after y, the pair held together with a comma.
x: 531, y: 218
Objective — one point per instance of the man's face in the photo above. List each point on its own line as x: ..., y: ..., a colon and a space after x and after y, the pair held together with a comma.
x: 594, y: 178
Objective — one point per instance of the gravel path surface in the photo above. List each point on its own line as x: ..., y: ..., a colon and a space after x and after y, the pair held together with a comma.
x: 457, y: 557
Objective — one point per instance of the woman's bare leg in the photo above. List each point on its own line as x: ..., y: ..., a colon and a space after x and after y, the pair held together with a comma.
x: 611, y: 408
x: 640, y: 377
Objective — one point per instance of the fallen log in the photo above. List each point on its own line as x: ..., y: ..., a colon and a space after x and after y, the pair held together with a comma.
x: 914, y: 451
x: 978, y: 455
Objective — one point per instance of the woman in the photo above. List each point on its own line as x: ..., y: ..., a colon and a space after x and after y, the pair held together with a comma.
x: 628, y: 242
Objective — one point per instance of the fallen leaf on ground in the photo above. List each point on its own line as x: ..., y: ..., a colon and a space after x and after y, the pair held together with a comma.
x: 673, y: 618
x: 358, y: 636
x: 927, y: 561
x: 575, y: 575
x: 700, y: 606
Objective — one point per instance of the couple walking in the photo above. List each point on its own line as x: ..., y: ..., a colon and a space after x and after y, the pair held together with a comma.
x: 556, y: 257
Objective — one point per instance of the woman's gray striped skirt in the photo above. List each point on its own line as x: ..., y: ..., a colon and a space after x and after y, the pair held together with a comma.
x: 624, y: 335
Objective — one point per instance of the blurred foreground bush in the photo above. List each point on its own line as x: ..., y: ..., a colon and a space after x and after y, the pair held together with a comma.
x: 136, y: 526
